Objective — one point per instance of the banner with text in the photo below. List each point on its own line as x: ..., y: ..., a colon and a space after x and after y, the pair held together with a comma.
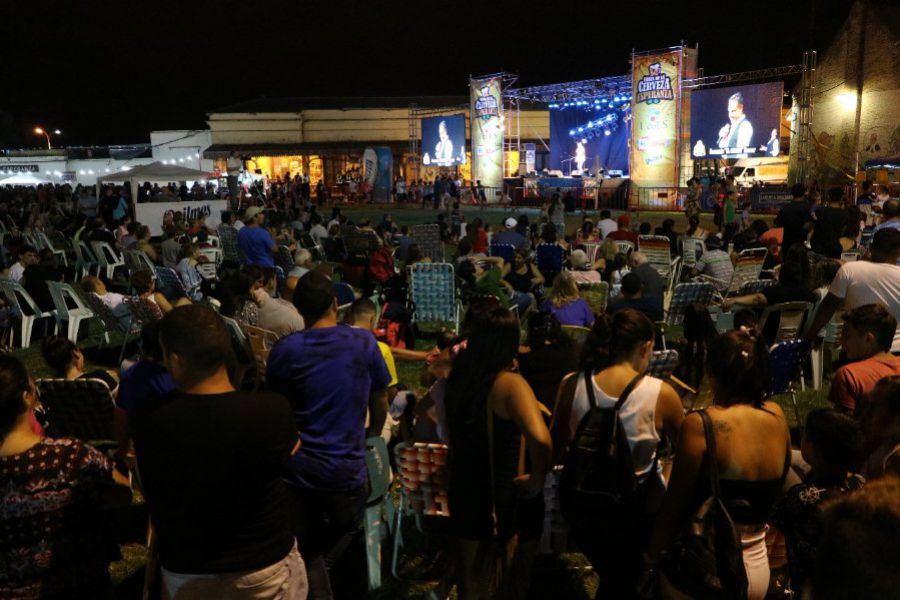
x: 151, y: 214
x: 487, y: 133
x: 656, y: 96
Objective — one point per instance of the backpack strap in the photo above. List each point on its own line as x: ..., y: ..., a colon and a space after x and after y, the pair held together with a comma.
x: 592, y: 399
x: 712, y: 470
x: 589, y: 386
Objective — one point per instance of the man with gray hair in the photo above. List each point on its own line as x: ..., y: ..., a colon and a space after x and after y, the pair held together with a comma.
x: 302, y: 263
x: 652, y: 282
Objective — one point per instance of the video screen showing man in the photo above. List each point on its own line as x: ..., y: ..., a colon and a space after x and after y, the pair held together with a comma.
x: 444, y: 141
x: 443, y: 150
x: 738, y: 132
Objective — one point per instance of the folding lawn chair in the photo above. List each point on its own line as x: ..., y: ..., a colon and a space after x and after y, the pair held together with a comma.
x: 432, y: 293
x: 79, y: 408
x: 596, y: 294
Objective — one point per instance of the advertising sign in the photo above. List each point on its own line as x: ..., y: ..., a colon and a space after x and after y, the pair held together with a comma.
x: 444, y: 141
x: 736, y: 122
x: 656, y: 85
x: 151, y: 214
x: 487, y: 133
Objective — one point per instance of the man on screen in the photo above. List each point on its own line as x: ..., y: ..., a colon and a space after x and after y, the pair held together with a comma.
x: 738, y: 132
x: 443, y: 150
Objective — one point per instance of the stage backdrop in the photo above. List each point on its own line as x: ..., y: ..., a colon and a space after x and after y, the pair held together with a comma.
x: 612, y: 149
x: 487, y: 134
x: 656, y: 93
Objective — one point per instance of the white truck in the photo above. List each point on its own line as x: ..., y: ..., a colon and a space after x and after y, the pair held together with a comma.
x: 750, y: 171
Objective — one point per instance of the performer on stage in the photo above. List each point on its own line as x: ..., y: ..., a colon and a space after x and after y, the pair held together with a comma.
x: 738, y: 132
x: 580, y: 156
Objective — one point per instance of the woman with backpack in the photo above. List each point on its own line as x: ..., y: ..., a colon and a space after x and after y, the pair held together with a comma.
x: 609, y: 506
x: 489, y: 408
x: 745, y: 438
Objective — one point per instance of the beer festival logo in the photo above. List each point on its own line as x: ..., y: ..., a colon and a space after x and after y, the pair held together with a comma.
x: 654, y: 87
x: 486, y: 104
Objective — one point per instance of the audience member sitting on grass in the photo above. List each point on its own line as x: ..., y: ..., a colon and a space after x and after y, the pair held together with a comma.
x: 866, y: 341
x: 238, y: 298
x: 145, y: 287
x: 522, y: 275
x: 715, y: 263
x: 489, y: 281
x: 27, y: 256
x: 55, y: 541
x: 653, y: 283
x: 113, y: 300
x: 210, y: 459
x: 36, y: 276
x: 831, y: 446
x: 186, y: 268
x: 632, y: 297
x: 66, y: 361
x: 275, y: 314
x: 582, y: 272
x: 566, y: 305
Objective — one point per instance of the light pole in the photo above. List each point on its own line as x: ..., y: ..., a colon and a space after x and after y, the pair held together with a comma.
x: 46, y: 134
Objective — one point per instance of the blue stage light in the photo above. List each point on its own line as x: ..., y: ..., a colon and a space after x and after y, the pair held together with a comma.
x: 571, y: 132
x: 580, y: 129
x: 607, y: 132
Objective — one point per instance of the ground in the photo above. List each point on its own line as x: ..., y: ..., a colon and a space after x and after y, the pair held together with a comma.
x: 565, y: 576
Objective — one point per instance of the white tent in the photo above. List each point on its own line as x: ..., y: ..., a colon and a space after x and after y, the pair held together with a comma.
x: 154, y: 172
x: 24, y: 179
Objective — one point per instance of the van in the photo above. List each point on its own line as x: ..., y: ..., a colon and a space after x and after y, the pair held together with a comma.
x: 750, y: 171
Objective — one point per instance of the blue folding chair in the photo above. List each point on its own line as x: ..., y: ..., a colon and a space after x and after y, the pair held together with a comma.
x: 549, y: 261
x: 786, y: 360
x: 169, y: 282
x: 505, y: 251
x: 686, y: 294
x: 428, y: 238
x: 663, y: 363
x: 432, y: 293
x: 344, y: 293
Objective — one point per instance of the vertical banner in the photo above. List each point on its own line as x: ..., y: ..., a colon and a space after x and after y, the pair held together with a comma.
x: 487, y: 134
x: 377, y: 171
x: 656, y: 98
x: 529, y: 157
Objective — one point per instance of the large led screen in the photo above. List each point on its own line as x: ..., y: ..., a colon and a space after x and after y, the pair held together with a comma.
x: 444, y: 141
x: 736, y: 122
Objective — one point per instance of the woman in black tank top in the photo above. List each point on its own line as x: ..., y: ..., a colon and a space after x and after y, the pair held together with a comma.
x: 485, y: 400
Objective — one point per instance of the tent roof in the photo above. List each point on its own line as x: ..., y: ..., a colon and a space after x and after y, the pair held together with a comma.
x: 24, y: 179
x: 156, y: 172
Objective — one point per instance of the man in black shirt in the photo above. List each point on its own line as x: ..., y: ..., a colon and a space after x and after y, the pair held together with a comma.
x: 794, y: 217
x: 211, y: 460
x: 830, y: 222
x: 633, y: 298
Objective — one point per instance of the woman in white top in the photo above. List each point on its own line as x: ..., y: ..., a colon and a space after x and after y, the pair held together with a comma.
x: 616, y: 351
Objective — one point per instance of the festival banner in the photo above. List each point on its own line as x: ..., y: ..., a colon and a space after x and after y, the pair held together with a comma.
x: 487, y: 134
x: 656, y: 96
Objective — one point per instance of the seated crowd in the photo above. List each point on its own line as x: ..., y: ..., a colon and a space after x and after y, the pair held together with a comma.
x: 268, y: 360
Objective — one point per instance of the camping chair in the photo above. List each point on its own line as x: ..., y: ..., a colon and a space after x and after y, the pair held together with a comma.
x: 831, y: 337
x: 792, y: 317
x: 658, y: 250
x: 596, y: 294
x: 624, y: 247
x: 228, y: 243
x: 379, y: 507
x: 26, y: 308
x: 432, y: 293
x: 124, y: 325
x: 169, y: 281
x: 79, y: 408
x: 786, y: 360
x: 747, y: 268
x: 46, y: 243
x: 428, y: 238
x: 505, y: 251
x: 662, y: 363
x: 243, y: 355
x: 260, y: 342
x: 84, y: 258
x: 755, y: 286
x: 423, y: 488
x: 108, y: 258
x: 689, y: 247
x: 137, y: 260
x: 578, y: 333
x: 63, y: 294
x: 549, y: 259
x: 686, y: 294
x: 143, y: 311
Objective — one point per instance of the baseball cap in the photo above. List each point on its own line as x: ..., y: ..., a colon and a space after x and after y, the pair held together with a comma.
x: 511, y: 223
x: 252, y: 212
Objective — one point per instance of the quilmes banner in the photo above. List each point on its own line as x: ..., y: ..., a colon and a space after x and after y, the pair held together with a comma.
x: 656, y: 97
x: 487, y: 133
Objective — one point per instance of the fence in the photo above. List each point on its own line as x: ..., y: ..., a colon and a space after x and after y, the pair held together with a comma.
x: 658, y: 198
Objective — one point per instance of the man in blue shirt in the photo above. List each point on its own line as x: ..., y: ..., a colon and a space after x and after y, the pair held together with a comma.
x: 511, y: 236
x: 891, y: 213
x: 332, y: 374
x: 254, y: 240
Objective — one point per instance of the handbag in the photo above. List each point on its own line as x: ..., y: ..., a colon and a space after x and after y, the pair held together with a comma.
x: 706, y: 562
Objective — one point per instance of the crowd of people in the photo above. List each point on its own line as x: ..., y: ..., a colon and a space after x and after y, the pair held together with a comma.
x: 257, y: 483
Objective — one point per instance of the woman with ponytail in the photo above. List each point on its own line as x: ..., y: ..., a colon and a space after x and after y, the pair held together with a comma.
x: 52, y: 539
x: 617, y: 352
x: 490, y: 408
x: 752, y: 455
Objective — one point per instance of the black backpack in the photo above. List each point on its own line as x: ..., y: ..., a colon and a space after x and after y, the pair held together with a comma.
x: 598, y: 481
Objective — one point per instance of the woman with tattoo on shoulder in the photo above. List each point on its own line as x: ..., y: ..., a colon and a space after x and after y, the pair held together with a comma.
x: 752, y: 455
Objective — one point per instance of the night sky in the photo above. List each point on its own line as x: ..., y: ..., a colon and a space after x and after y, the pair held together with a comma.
x: 110, y: 72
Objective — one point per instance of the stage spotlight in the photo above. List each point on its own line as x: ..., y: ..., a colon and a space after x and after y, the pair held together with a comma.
x: 571, y: 132
x: 607, y: 132
x: 580, y: 129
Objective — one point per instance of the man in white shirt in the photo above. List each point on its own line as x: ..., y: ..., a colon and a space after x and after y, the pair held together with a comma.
x: 873, y: 281
x: 27, y: 256
x: 115, y: 301
x: 606, y: 224
x: 317, y: 232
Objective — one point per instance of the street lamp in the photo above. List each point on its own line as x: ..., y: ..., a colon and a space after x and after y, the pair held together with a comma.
x: 46, y: 134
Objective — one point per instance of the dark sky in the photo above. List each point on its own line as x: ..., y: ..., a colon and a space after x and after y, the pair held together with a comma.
x: 110, y: 72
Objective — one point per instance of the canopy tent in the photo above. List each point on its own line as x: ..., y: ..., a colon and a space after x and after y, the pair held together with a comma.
x: 154, y: 172
x: 25, y: 179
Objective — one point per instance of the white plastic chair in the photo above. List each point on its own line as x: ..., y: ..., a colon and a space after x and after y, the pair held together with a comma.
x: 74, y: 317
x: 85, y: 259
x: 624, y: 246
x: 214, y: 255
x: 18, y: 298
x: 107, y: 258
x: 46, y: 243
